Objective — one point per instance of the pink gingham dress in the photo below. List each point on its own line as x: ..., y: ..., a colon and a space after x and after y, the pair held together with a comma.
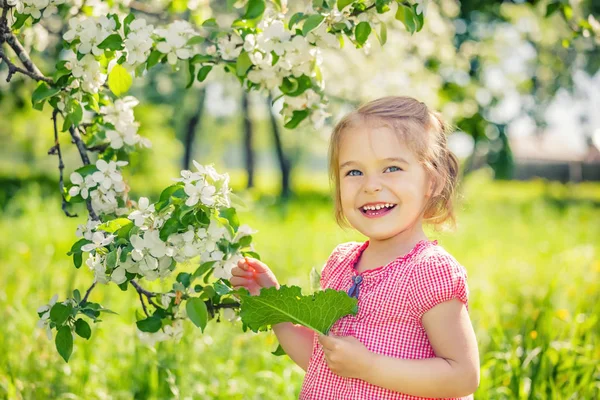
x: 391, y: 301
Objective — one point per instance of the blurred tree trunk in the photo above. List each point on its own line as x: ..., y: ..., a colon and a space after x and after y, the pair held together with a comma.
x: 192, y: 126
x: 248, y: 133
x: 284, y: 163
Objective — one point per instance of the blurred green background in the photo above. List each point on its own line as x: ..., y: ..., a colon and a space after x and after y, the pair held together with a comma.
x: 500, y: 73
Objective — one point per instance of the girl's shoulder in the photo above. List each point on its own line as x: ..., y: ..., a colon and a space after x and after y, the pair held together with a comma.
x: 341, y: 257
x: 437, y: 276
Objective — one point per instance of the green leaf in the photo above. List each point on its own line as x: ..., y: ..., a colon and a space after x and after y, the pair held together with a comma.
x: 77, y: 259
x: 112, y: 42
x: 297, y: 117
x: 383, y: 33
x: 171, y: 226
x: 21, y: 18
x: 406, y: 16
x: 243, y: 64
x: 77, y: 295
x: 76, y: 248
x: 119, y: 80
x: 341, y: 4
x: 197, y: 312
x: 77, y: 113
x: 312, y: 22
x: 192, y: 75
x: 43, y: 91
x: 128, y: 20
x: 231, y: 216
x: 64, y: 342
x: 195, y: 40
x: 552, y: 8
x: 202, y: 269
x: 295, y: 19
x: 184, y: 278
x: 111, y: 259
x: 59, y: 313
x: 318, y: 311
x: 362, y: 32
x: 254, y: 9
x: 221, y: 289
x: 279, y: 351
x: 83, y: 329
x: 114, y: 225
x: 203, y: 73
x: 150, y: 324
x: 154, y: 58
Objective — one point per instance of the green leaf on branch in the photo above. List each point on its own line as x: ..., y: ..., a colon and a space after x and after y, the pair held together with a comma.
x: 362, y: 32
x: 243, y: 64
x: 296, y: 18
x: 83, y: 329
x: 341, y: 4
x: 154, y: 58
x: 297, y: 117
x: 197, y: 312
x: 382, y: 34
x: 119, y: 80
x: 114, y: 225
x: 21, y: 18
x: 231, y: 216
x: 77, y: 114
x: 59, y: 313
x: 254, y: 9
x: 202, y: 269
x: 42, y: 92
x: 76, y: 248
x: 77, y: 259
x: 318, y: 311
x: 128, y: 20
x: 64, y: 342
x: 406, y: 16
x: 151, y: 324
x: 113, y: 42
x: 312, y: 22
x: 203, y: 73
x: 279, y: 351
x: 171, y: 226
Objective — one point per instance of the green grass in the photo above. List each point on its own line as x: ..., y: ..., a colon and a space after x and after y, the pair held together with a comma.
x: 532, y: 252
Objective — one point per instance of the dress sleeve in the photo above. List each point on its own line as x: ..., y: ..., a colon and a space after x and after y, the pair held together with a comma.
x: 437, y: 279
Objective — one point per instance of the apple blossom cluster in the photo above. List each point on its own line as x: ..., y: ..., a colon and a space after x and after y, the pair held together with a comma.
x: 120, y: 115
x: 149, y: 252
x: 104, y: 186
x: 36, y: 8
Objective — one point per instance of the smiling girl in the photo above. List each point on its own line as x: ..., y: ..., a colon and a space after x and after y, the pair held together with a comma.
x: 412, y: 337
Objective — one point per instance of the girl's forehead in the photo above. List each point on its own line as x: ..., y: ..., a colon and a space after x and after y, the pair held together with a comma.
x: 378, y: 141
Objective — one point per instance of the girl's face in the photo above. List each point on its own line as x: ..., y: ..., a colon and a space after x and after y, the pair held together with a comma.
x: 378, y: 170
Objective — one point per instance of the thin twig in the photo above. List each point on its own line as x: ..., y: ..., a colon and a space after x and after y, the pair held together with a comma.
x: 149, y: 295
x: 142, y: 301
x: 86, y: 161
x: 61, y: 166
x: 87, y: 293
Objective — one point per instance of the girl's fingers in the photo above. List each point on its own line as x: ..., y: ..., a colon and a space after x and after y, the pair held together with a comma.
x: 239, y: 281
x: 258, y: 266
x: 242, y: 264
x: 236, y: 271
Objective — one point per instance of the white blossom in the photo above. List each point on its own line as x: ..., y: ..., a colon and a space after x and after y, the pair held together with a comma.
x: 145, y: 210
x: 98, y: 240
x: 80, y: 185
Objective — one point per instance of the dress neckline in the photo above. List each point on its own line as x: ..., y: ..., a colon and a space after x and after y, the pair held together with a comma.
x: 363, y: 246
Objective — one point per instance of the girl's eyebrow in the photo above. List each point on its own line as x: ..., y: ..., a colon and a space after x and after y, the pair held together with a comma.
x: 397, y: 159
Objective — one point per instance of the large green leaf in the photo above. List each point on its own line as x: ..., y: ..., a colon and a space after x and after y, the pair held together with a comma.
x: 119, y: 80
x: 318, y: 311
x: 64, y: 342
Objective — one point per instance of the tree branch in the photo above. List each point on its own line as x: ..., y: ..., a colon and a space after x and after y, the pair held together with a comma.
x: 86, y: 161
x: 31, y: 69
x: 61, y: 166
x: 87, y: 293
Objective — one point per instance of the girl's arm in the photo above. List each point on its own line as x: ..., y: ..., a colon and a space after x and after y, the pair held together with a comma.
x: 453, y: 373
x: 297, y: 341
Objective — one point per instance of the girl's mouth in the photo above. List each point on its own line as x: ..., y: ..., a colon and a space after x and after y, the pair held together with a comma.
x: 375, y: 211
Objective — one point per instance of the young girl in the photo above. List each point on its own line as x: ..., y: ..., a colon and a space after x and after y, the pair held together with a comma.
x: 412, y: 337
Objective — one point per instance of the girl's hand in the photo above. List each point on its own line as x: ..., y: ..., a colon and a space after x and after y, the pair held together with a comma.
x: 346, y: 356
x: 253, y: 275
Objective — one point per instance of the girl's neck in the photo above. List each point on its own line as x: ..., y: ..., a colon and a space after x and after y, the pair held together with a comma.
x: 382, y: 251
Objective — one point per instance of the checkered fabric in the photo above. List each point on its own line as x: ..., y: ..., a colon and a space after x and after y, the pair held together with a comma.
x: 392, y: 300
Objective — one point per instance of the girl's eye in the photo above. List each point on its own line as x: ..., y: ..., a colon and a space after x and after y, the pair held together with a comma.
x: 354, y: 172
x: 393, y: 168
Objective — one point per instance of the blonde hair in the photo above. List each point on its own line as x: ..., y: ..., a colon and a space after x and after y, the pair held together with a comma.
x: 425, y: 132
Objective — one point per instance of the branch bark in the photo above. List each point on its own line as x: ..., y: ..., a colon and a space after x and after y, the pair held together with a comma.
x: 61, y: 166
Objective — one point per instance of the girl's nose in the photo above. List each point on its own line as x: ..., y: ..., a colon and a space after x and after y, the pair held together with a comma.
x: 372, y: 185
